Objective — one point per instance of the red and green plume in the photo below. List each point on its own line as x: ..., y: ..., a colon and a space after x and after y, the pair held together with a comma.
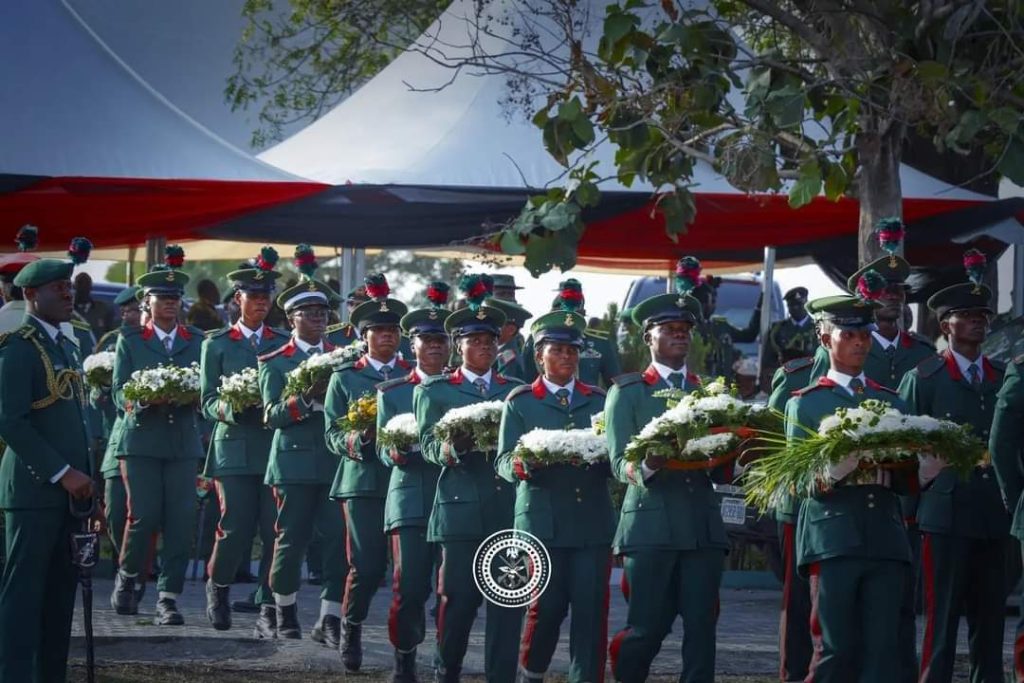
x: 79, y: 250
x: 890, y: 235
x: 174, y: 256
x: 437, y: 293
x: 305, y: 260
x: 377, y: 287
x: 27, y: 238
x: 570, y: 295
x: 475, y: 289
x: 687, y: 274
x: 975, y: 263
x: 870, y: 286
x: 267, y: 259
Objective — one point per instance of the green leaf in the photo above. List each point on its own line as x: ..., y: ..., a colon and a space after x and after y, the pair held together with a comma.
x: 1007, y: 118
x: 511, y: 243
x: 932, y: 72
x: 541, y: 118
x: 587, y: 194
x: 617, y: 25
x: 679, y: 210
x: 556, y: 250
x: 583, y: 131
x: 1011, y: 164
x: 807, y: 187
x: 560, y: 216
x: 835, y: 182
x: 786, y: 105
x: 569, y: 110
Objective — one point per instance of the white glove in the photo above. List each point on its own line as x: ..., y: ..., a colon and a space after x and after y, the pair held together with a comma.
x: 929, y: 467
x: 317, y: 407
x: 843, y: 468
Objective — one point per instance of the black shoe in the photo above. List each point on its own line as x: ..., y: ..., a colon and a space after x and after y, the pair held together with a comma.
x: 450, y: 675
x: 123, y: 598
x: 266, y: 625
x: 167, y: 613
x: 315, y: 579
x: 405, y: 668
x: 244, y: 576
x: 327, y: 631
x: 218, y: 609
x: 245, y: 606
x: 288, y: 622
x: 140, y: 592
x: 352, y: 646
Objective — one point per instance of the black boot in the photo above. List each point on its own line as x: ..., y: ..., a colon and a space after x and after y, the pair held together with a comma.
x: 123, y: 599
x: 140, y: 592
x: 248, y: 606
x: 327, y: 631
x: 218, y: 607
x: 266, y: 625
x: 167, y: 613
x: 352, y: 646
x: 450, y: 675
x: 405, y: 667
x: 288, y: 622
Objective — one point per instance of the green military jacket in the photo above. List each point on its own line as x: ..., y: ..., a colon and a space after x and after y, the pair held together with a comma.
x: 787, y: 339
x: 360, y: 473
x: 240, y: 444
x: 671, y: 509
x: 510, y: 361
x: 298, y: 453
x: 847, y: 520
x: 43, y: 419
x: 413, y: 480
x: 472, y: 500
x: 341, y: 334
x: 599, y: 360
x: 720, y: 336
x: 789, y: 378
x: 565, y: 506
x: 886, y: 369
x: 1006, y: 441
x: 162, y: 431
x: 948, y: 505
x: 103, y: 401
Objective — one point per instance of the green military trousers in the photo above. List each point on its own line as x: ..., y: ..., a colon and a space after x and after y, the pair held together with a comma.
x: 367, y: 553
x: 413, y: 559
x: 246, y: 503
x: 855, y: 620
x: 460, y: 599
x: 795, y: 618
x: 161, y: 498
x: 579, y: 579
x: 37, y: 596
x: 963, y: 576
x: 115, y: 509
x: 301, y: 508
x: 663, y: 584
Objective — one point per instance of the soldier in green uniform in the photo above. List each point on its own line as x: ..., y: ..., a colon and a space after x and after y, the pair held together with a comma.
x: 1005, y: 445
x: 472, y: 501
x: 46, y: 459
x: 963, y: 523
x: 237, y: 459
x: 412, y: 485
x: 794, y: 337
x: 510, y: 361
x: 505, y: 287
x: 160, y: 446
x: 851, y: 539
x: 566, y: 506
x: 300, y: 468
x: 361, y: 482
x: 670, y: 531
x: 599, y: 357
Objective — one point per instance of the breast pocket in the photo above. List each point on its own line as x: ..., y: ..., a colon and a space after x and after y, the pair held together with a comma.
x: 295, y: 458
x: 533, y: 512
x: 832, y: 531
x: 230, y: 453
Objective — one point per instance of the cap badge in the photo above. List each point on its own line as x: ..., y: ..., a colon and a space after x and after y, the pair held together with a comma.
x: 258, y: 276
x: 170, y: 276
x: 432, y: 315
x: 569, y: 321
x: 383, y: 306
x: 481, y: 315
x: 680, y: 303
x: 312, y: 286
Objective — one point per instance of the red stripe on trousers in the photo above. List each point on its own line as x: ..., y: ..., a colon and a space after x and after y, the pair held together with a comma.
x: 815, y: 577
x: 348, y: 557
x: 128, y: 517
x: 220, y: 525
x: 624, y: 583
x: 928, y: 573
x: 278, y: 503
x: 444, y: 597
x: 602, y: 659
x: 1018, y: 657
x: 614, y: 647
x: 788, y: 536
x: 396, y: 557
x: 531, y: 622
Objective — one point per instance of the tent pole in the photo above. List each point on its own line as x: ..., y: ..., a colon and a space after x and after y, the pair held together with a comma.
x: 767, y: 290
x: 129, y: 267
x: 345, y: 278
x: 359, y: 255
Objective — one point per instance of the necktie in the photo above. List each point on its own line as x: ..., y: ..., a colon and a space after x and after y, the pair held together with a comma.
x: 890, y: 351
x: 385, y: 371
x: 254, y: 341
x: 313, y: 350
x: 676, y: 379
x: 168, y: 343
x: 481, y: 385
x: 856, y: 386
x: 974, y: 374
x: 59, y: 341
x: 563, y: 396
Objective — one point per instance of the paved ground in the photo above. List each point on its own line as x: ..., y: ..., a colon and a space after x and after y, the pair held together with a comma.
x: 747, y: 634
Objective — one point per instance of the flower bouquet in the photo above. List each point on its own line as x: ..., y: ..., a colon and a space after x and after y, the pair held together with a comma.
x: 878, y: 435
x: 479, y: 421
x: 99, y: 369
x: 168, y: 383
x: 241, y: 390
x: 361, y: 415
x: 597, y: 423
x: 561, y: 446
x: 319, y: 367
x: 400, y: 433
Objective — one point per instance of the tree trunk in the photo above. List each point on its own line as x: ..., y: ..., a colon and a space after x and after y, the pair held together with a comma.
x: 878, y: 186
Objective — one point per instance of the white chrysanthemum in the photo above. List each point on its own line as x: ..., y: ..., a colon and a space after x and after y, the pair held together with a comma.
x: 475, y: 412
x: 568, y: 443
x: 711, y: 445
x: 102, y: 360
x: 404, y: 424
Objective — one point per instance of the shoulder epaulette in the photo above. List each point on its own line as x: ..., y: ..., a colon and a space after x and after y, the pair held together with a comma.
x: 26, y: 331
x: 339, y: 326
x: 597, y: 390
x: 1001, y: 367
x: 80, y: 324
x: 882, y: 387
x: 217, y: 333
x: 929, y: 366
x: 624, y: 380
x: 596, y: 334
x: 131, y: 331
x: 279, y: 332
x: 519, y: 391
x: 195, y: 331
x: 107, y: 336
x: 923, y: 339
x: 808, y: 389
x: 512, y: 380
x: 797, y: 364
x: 392, y: 383
x: 434, y: 379
x: 272, y: 354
